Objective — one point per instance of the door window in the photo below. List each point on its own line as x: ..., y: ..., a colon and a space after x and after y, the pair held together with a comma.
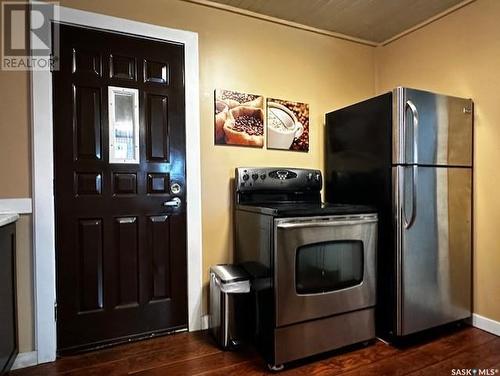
x: 328, y: 266
x: 123, y: 125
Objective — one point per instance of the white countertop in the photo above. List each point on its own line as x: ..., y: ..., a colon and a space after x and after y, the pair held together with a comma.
x: 5, y: 219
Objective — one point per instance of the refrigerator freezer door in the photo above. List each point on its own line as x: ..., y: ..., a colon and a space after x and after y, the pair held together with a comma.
x: 431, y: 129
x: 433, y: 237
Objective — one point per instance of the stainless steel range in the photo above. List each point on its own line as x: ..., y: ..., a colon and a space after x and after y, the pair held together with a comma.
x: 312, y: 264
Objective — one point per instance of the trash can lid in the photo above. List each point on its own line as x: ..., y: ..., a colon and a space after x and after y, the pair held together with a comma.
x: 229, y: 273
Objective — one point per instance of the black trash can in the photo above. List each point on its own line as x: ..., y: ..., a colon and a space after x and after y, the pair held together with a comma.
x: 227, y: 285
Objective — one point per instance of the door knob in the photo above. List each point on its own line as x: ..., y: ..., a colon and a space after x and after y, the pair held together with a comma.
x: 173, y: 203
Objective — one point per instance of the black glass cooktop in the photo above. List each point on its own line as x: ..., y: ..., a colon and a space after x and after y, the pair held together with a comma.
x: 305, y: 209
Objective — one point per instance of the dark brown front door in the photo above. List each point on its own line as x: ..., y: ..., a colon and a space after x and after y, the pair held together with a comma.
x: 121, y: 253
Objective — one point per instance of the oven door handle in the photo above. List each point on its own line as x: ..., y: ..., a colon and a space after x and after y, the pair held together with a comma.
x: 323, y: 223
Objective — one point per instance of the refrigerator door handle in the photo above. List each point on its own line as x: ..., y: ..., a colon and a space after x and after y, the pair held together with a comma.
x: 415, y: 118
x: 414, y: 180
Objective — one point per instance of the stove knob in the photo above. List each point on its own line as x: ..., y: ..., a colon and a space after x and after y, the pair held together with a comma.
x: 255, y: 176
x: 263, y: 176
x: 309, y: 176
x: 246, y: 177
x: 317, y: 176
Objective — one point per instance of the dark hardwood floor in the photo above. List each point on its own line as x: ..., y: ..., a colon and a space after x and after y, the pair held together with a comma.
x: 195, y: 354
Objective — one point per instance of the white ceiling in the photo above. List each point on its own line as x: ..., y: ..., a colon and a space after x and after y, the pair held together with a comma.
x: 371, y: 20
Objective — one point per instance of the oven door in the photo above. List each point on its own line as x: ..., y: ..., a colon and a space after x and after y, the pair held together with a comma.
x: 323, y: 266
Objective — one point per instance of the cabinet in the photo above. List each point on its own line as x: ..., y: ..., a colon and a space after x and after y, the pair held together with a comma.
x: 8, y: 314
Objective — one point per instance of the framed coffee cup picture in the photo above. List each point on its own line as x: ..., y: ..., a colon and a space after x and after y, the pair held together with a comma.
x: 287, y: 125
x: 239, y: 119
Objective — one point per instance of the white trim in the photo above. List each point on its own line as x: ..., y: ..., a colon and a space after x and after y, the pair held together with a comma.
x: 486, y: 324
x: 205, y: 320
x: 43, y: 215
x: 25, y: 359
x: 15, y: 205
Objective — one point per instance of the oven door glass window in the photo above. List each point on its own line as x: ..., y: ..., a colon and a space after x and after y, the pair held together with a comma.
x: 328, y: 266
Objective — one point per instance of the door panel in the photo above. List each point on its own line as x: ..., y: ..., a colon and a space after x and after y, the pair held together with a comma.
x: 156, y: 72
x: 119, y: 250
x: 124, y: 183
x: 123, y: 67
x: 432, y: 129
x: 434, y: 252
x: 88, y: 183
x: 90, y: 259
x: 86, y: 62
x: 127, y: 252
x: 157, y: 127
x: 159, y: 237
x: 88, y: 122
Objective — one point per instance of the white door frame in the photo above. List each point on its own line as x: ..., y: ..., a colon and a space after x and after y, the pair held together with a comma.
x: 43, y: 174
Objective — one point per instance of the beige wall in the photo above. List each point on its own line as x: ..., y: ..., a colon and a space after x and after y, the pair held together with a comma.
x: 15, y: 147
x: 236, y: 52
x: 460, y: 55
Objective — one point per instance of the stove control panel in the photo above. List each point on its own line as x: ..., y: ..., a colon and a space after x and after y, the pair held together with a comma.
x: 277, y: 179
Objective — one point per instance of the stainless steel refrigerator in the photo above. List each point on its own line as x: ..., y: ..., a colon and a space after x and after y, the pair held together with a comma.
x: 409, y: 153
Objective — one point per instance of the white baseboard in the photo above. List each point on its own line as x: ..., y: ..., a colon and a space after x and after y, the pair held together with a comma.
x: 26, y: 359
x: 204, y: 322
x: 15, y: 205
x: 486, y: 324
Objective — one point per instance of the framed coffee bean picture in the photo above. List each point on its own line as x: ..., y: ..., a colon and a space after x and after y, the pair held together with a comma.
x: 238, y: 119
x: 287, y: 125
